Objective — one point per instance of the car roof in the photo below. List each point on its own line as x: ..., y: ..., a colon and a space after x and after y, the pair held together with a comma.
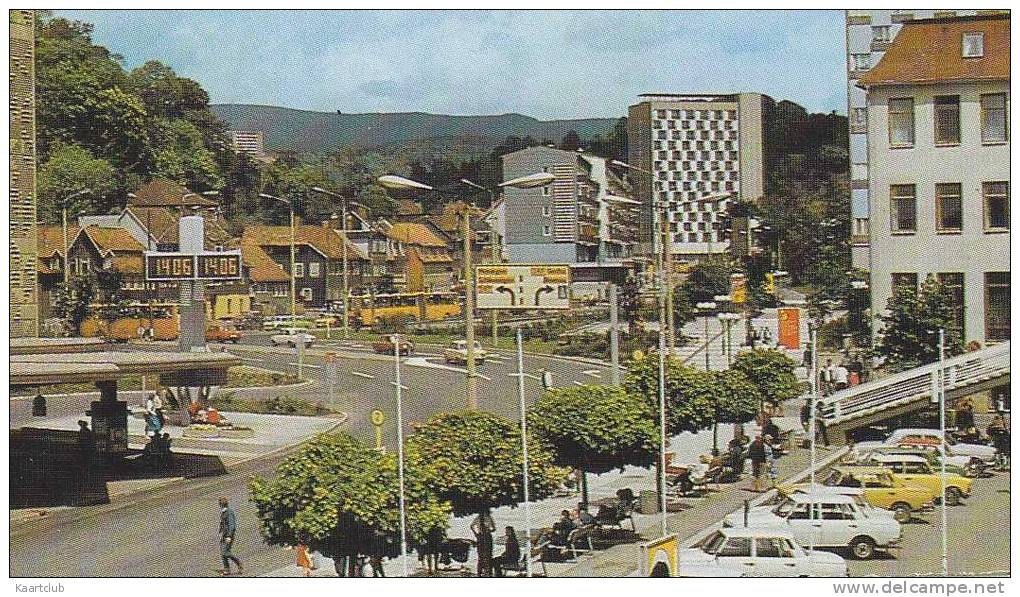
x: 861, y: 469
x: 757, y: 531
x: 898, y: 458
x: 811, y: 496
x: 829, y: 489
x: 917, y: 430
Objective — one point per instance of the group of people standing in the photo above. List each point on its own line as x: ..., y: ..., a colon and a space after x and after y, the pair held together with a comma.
x: 483, y: 527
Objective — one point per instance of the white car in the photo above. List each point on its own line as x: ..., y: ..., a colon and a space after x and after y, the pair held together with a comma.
x: 837, y: 522
x: 757, y: 551
x: 924, y: 436
x: 855, y: 493
x: 457, y: 351
x: 293, y: 337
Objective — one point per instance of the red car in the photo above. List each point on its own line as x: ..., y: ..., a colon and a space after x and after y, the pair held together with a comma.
x: 222, y: 334
x: 385, y: 346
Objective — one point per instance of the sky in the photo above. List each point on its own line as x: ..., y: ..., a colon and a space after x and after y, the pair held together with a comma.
x: 545, y: 64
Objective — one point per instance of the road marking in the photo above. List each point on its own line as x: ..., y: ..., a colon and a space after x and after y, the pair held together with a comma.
x: 402, y: 386
x: 360, y: 374
x: 422, y: 362
x: 593, y: 372
x: 577, y: 383
x: 255, y: 361
x: 306, y: 365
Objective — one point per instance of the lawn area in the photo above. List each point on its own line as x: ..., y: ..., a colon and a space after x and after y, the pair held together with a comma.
x: 241, y: 376
x: 506, y: 342
x: 279, y: 405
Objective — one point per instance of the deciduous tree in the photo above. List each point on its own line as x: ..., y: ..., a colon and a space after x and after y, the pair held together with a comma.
x: 909, y: 337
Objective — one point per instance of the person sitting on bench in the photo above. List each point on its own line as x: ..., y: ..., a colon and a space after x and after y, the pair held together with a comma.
x: 510, y: 559
x: 562, y: 529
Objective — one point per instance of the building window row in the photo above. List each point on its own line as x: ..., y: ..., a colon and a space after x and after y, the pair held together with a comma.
x: 949, y: 207
x: 996, y: 299
x: 947, y: 129
x: 696, y: 114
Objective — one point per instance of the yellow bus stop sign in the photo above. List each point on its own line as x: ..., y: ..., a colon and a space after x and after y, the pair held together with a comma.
x: 378, y: 418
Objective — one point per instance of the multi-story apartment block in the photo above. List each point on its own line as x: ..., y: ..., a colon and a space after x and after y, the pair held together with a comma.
x: 23, y: 279
x: 687, y: 150
x: 869, y: 33
x: 938, y: 167
x: 250, y: 142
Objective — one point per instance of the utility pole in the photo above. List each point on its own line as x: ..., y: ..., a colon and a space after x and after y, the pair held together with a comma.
x: 942, y: 448
x: 661, y: 477
x: 469, y: 313
x: 495, y: 259
x: 524, y: 447
x: 813, y: 429
x: 667, y: 247
x: 400, y: 451
x: 343, y: 256
x: 614, y: 333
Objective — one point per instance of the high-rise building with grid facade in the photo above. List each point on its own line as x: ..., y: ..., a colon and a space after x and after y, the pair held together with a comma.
x: 687, y: 150
x: 24, y: 309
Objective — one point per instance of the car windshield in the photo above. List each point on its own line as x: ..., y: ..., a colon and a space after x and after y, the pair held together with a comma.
x: 712, y: 543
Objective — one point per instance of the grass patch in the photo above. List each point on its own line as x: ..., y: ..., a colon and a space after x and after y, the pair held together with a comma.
x: 279, y: 405
x: 241, y: 376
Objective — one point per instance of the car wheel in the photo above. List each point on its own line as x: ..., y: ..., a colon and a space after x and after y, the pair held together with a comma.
x: 862, y: 548
x: 953, y: 496
x: 902, y: 512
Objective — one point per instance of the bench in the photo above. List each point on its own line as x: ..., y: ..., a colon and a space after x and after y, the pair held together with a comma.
x: 575, y: 542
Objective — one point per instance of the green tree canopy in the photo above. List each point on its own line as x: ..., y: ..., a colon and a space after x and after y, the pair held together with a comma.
x: 690, y: 393
x: 771, y: 371
x: 74, y: 303
x: 473, y: 460
x: 737, y: 399
x: 909, y: 337
x: 595, y: 428
x: 69, y: 169
x: 338, y: 496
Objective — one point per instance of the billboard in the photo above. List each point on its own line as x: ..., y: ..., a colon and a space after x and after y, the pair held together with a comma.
x: 522, y: 286
x: 789, y: 327
x: 213, y: 265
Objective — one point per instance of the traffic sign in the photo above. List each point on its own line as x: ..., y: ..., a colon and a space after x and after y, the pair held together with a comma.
x: 378, y: 417
x: 210, y: 265
x: 522, y: 286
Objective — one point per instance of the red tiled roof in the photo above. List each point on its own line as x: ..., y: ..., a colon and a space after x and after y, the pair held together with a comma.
x: 51, y: 239
x: 931, y: 51
x: 413, y: 233
x: 261, y: 267
x: 160, y: 192
x: 113, y: 240
x: 324, y: 240
x: 128, y: 264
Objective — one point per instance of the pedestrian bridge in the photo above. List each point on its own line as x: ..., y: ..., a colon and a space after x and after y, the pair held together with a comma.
x: 912, y: 390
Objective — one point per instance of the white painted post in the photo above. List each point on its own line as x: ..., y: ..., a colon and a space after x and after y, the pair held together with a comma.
x: 662, y: 428
x: 524, y: 446
x: 400, y: 452
x: 942, y: 450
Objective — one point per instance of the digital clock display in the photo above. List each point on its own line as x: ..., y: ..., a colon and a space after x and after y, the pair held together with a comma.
x: 185, y: 266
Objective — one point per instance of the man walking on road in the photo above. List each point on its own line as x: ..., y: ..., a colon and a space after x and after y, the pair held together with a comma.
x: 228, y: 528
x: 756, y: 452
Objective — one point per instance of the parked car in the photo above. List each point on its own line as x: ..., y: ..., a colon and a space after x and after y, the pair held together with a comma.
x: 854, y: 493
x: 457, y: 352
x: 915, y: 470
x: 292, y: 337
x: 758, y: 551
x: 968, y: 466
x: 327, y: 320
x: 880, y: 487
x: 933, y: 437
x: 836, y: 522
x: 386, y: 345
x: 278, y: 322
x: 218, y: 333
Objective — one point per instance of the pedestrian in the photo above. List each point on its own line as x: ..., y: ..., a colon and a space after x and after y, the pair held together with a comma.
x: 547, y: 380
x: 303, y: 561
x: 827, y: 377
x: 805, y: 415
x: 228, y: 531
x: 770, y: 461
x: 483, y: 527
x: 841, y: 377
x: 766, y: 336
x: 157, y: 403
x: 756, y: 452
x: 964, y: 414
x: 820, y: 423
x: 140, y: 332
x: 153, y: 427
x: 735, y: 457
x: 999, y: 433
x: 511, y: 556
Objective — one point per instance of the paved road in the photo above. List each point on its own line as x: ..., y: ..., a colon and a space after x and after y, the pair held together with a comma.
x: 978, y: 538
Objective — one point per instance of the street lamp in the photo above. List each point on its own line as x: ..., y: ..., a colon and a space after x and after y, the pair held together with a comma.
x: 63, y: 219
x: 344, y: 203
x: 706, y: 306
x: 391, y: 181
x: 728, y: 319
x: 293, y: 253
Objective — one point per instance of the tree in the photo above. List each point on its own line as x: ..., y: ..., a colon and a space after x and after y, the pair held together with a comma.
x: 69, y: 169
x: 571, y: 141
x: 707, y: 279
x: 74, y: 303
x: 690, y: 393
x: 595, y: 429
x: 909, y: 336
x: 737, y: 400
x: 771, y: 372
x: 340, y: 498
x: 473, y: 460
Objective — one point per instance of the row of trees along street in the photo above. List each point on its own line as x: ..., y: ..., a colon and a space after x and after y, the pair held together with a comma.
x: 341, y: 497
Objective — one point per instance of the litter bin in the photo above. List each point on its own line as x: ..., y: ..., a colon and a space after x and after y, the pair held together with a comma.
x: 648, y: 502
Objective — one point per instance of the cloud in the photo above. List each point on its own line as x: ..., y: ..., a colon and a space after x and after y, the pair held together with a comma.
x: 547, y: 64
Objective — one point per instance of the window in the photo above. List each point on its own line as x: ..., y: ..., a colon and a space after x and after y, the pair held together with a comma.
x: 948, y: 208
x: 299, y: 270
x: 313, y: 270
x: 953, y: 283
x: 996, y: 306
x: 770, y: 547
x: 861, y: 227
x: 903, y: 208
x: 545, y: 191
x: 901, y: 122
x: 859, y: 117
x: 947, y: 119
x: 993, y: 118
x: 306, y: 294
x: 996, y: 195
x: 901, y: 281
x: 736, y: 547
x: 546, y: 231
x: 973, y: 45
x: 860, y: 62
x: 546, y: 211
x: 880, y: 34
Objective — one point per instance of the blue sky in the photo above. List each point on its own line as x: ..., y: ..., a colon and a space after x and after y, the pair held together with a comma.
x: 546, y: 64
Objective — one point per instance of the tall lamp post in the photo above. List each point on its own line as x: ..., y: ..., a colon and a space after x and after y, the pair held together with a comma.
x: 344, y: 205
x: 495, y: 253
x: 63, y: 220
x: 293, y: 253
x: 391, y: 181
x: 705, y: 307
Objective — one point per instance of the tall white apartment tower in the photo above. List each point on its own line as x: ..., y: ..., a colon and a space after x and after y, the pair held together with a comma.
x: 685, y: 149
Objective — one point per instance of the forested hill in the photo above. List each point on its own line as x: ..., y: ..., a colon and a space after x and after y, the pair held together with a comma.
x: 287, y: 129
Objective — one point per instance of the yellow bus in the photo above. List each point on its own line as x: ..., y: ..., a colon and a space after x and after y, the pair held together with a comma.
x: 161, y: 318
x: 368, y: 310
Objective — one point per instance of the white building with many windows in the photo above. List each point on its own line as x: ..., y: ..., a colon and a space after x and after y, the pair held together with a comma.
x: 938, y: 167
